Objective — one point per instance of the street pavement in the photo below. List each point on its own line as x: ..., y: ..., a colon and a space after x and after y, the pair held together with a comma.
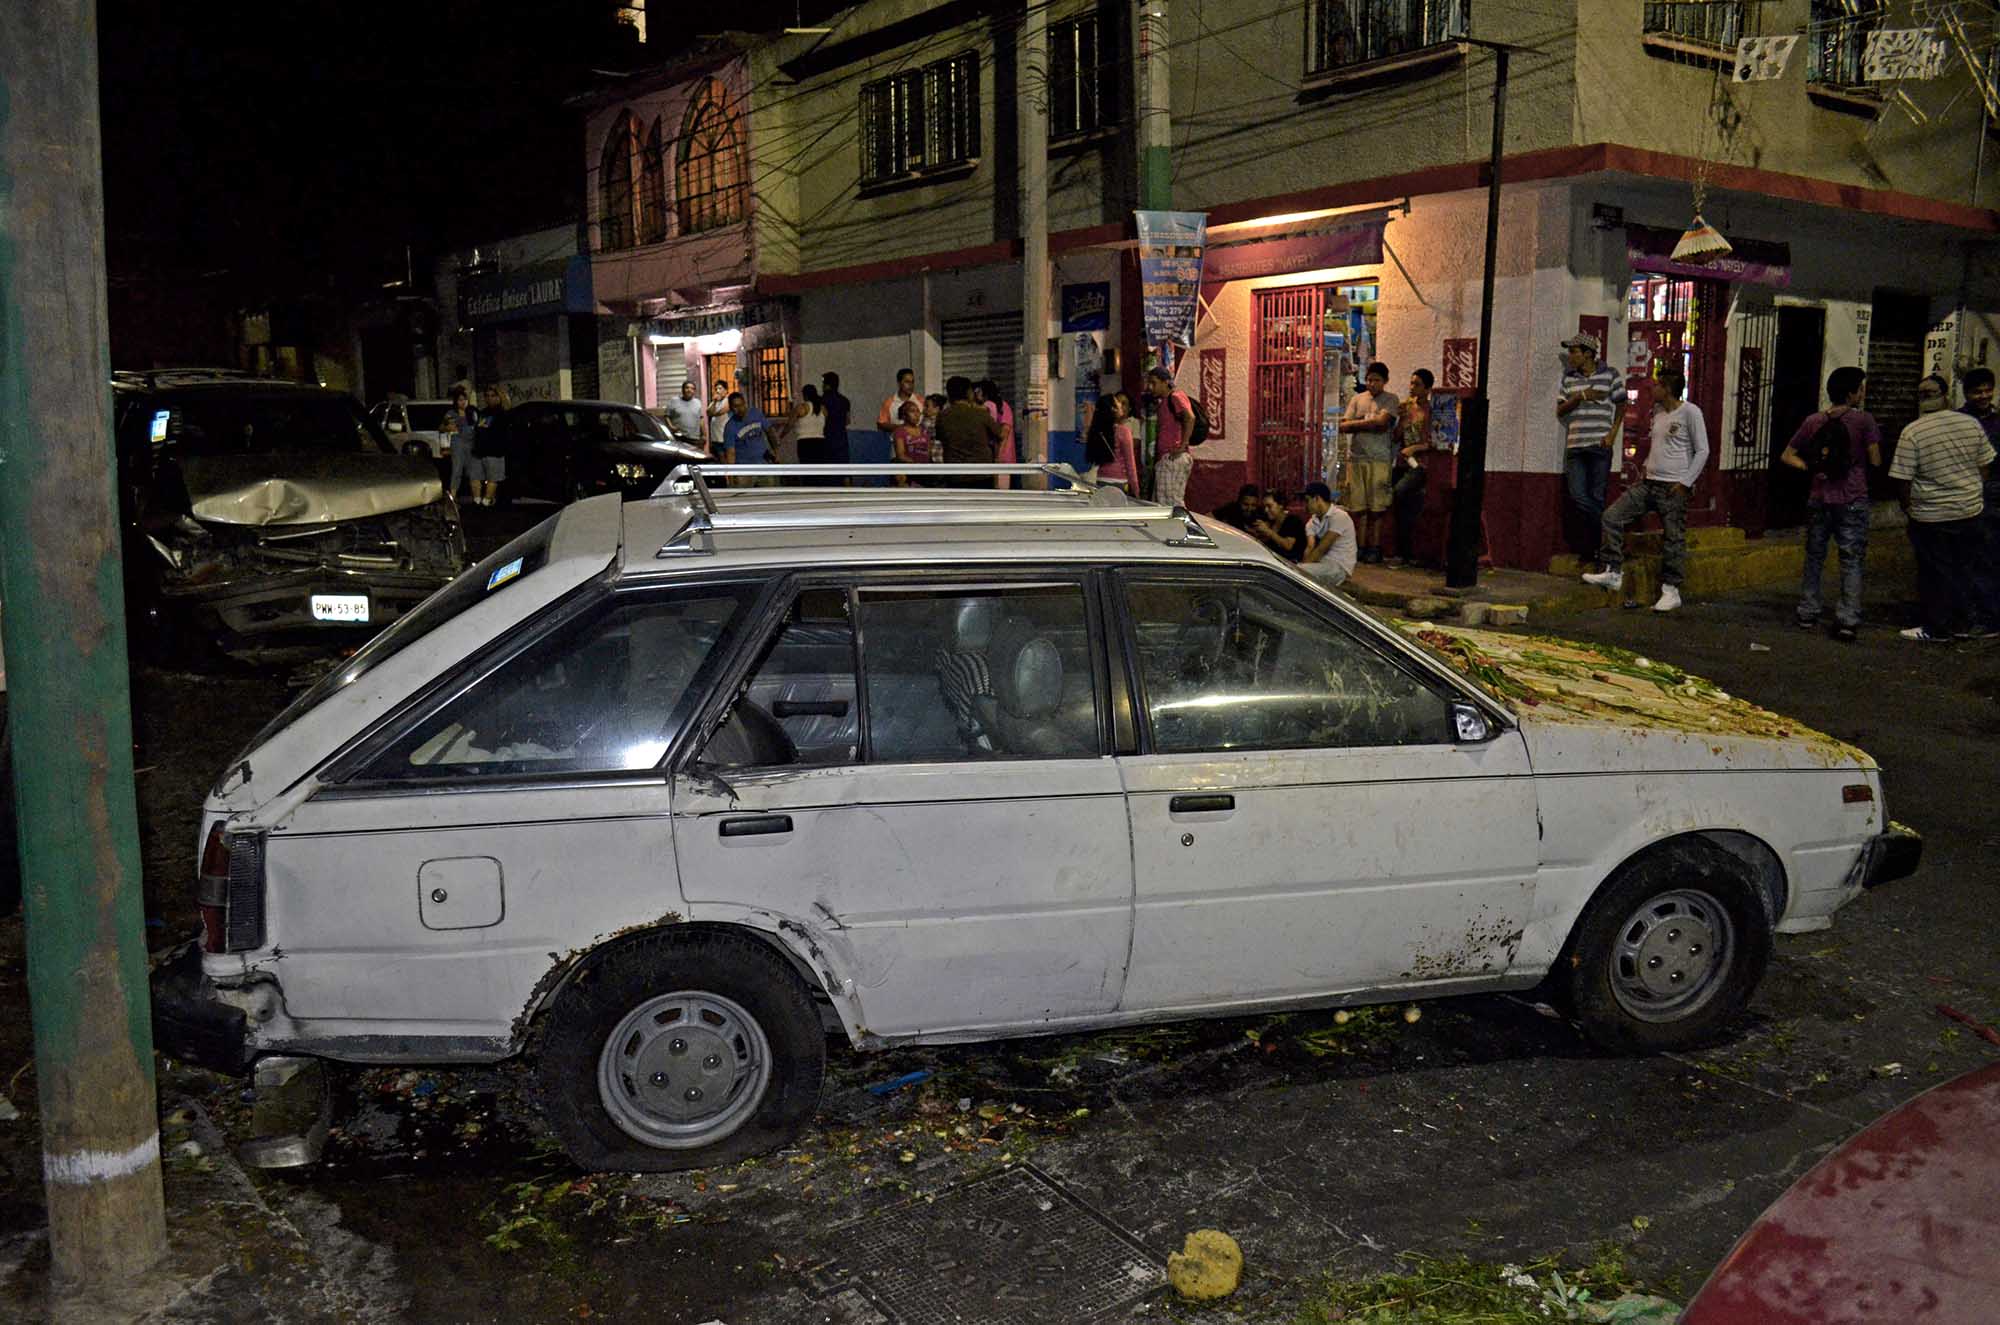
x: 1047, y: 1179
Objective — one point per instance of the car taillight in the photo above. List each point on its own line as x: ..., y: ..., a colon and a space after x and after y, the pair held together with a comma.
x: 229, y: 891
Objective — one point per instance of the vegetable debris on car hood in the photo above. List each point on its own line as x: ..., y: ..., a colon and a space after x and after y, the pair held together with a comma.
x: 1541, y: 678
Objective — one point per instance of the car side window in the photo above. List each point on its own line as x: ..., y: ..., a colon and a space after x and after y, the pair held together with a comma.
x: 799, y: 706
x: 978, y: 672
x: 603, y: 693
x: 1233, y: 665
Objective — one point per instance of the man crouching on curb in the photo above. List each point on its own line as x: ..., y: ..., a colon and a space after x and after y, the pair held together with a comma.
x: 1673, y: 463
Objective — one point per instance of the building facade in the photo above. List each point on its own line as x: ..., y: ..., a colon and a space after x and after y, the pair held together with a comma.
x: 1338, y: 149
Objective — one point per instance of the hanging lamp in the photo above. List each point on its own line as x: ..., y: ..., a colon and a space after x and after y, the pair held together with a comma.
x: 1700, y: 243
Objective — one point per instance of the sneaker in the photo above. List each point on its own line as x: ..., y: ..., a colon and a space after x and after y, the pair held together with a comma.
x: 1605, y: 579
x: 1806, y: 622
x: 1846, y: 634
x: 1670, y: 598
x: 1975, y: 632
x: 1922, y: 636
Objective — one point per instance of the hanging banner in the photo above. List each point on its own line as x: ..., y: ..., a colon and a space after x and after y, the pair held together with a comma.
x: 1755, y: 261
x: 1170, y: 249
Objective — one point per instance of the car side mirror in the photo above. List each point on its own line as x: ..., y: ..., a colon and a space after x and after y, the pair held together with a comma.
x: 1471, y: 726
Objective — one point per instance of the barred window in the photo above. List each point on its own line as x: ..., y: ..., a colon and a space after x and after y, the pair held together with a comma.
x: 923, y: 119
x: 710, y: 188
x: 771, y: 381
x: 1347, y: 32
x: 614, y: 185
x: 1082, y: 94
x: 652, y: 189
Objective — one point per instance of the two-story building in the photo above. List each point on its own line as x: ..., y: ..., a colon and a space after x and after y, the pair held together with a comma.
x: 1338, y: 148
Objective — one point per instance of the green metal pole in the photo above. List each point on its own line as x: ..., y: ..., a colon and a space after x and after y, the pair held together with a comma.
x: 68, y: 695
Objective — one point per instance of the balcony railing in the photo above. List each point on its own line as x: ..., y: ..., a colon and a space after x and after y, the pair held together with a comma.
x: 1717, y: 23
x: 1834, y: 50
x: 1342, y: 33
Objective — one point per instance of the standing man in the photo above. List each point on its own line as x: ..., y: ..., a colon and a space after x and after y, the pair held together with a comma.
x: 966, y: 433
x: 746, y: 440
x: 686, y: 417
x: 1978, y: 387
x: 1330, y: 550
x: 1838, y: 505
x: 1673, y: 463
x: 838, y: 410
x: 1941, y: 464
x: 1171, y: 463
x: 1371, y: 421
x: 1591, y: 406
x: 718, y: 412
x: 891, y: 415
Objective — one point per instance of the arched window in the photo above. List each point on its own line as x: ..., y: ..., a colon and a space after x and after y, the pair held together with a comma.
x: 614, y: 185
x: 652, y: 189
x: 709, y: 184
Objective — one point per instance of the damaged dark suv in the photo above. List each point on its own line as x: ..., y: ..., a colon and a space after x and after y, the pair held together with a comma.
x: 263, y: 515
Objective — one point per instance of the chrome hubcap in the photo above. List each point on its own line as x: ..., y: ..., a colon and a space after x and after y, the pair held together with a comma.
x: 684, y: 1069
x: 1671, y: 955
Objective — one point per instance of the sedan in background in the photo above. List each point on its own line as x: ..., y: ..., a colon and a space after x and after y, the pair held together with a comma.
x: 566, y: 450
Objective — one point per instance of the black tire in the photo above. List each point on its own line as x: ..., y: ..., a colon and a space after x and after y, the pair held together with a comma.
x: 1661, y: 920
x: 732, y: 973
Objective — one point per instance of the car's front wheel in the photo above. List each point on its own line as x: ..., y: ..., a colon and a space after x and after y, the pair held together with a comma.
x: 1670, y: 951
x: 680, y: 1051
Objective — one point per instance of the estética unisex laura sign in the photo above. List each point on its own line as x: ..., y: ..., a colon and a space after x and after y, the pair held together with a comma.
x: 1170, y: 247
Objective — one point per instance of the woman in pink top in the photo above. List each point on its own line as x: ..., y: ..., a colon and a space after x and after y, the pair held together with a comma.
x: 1111, y: 429
x: 909, y: 440
x: 987, y: 392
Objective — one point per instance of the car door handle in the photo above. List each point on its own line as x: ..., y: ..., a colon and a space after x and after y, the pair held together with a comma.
x: 1201, y: 804
x: 757, y: 825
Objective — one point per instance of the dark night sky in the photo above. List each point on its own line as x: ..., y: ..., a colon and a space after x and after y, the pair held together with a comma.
x: 267, y: 149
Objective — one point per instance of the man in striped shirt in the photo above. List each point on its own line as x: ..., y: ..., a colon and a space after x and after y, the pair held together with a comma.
x: 1940, y: 466
x: 1591, y: 405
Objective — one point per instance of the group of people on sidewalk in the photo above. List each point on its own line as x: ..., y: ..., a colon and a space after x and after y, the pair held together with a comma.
x: 1942, y: 468
x: 477, y: 457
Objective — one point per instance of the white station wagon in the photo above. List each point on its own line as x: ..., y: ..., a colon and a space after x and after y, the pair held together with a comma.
x: 662, y: 793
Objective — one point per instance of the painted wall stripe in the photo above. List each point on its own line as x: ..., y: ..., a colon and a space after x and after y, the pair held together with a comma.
x: 80, y: 1168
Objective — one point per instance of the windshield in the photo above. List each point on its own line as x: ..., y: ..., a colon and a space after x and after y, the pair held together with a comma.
x: 510, y: 565
x: 245, y: 423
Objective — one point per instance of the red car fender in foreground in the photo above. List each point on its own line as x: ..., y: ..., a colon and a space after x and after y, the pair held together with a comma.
x: 1900, y: 1224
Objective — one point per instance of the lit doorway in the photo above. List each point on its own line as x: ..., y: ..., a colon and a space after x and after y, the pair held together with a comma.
x: 1683, y: 324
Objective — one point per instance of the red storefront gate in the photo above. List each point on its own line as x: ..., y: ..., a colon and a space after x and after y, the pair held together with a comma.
x: 1286, y: 387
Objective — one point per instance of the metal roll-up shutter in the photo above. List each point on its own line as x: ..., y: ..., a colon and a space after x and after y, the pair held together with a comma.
x: 669, y: 371
x: 985, y: 346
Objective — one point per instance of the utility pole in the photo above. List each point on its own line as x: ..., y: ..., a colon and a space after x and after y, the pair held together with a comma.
x: 68, y: 696
x: 1031, y: 101
x: 1461, y: 565
x: 1156, y: 175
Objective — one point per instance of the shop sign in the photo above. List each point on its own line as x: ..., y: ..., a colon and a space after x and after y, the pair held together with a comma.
x: 534, y: 290
x: 1755, y: 261
x: 1170, y: 249
x: 1460, y: 363
x: 1941, y: 347
x: 1313, y: 250
x: 1087, y: 307
x: 1214, y: 388
x: 709, y: 321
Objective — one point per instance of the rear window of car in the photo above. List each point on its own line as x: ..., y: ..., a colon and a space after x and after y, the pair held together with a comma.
x: 249, y: 423
x: 510, y: 565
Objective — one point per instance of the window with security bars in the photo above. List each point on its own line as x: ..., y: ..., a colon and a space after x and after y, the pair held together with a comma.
x: 1082, y: 94
x: 1837, y: 41
x: 1340, y: 33
x: 1718, y: 23
x: 770, y: 379
x: 919, y: 120
x: 710, y: 186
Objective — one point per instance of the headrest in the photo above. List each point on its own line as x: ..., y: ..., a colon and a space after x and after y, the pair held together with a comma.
x: 1029, y: 680
x: 972, y: 630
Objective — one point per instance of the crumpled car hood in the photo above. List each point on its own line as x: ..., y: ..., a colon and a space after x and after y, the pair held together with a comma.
x: 306, y: 489
x: 1557, y: 685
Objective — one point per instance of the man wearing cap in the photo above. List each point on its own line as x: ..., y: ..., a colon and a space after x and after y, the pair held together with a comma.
x: 1591, y: 406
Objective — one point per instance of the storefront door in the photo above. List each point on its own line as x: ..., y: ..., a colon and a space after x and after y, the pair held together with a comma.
x: 1682, y: 323
x: 1286, y: 387
x: 721, y: 366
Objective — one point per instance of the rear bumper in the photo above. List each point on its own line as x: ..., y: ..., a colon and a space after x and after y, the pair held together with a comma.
x: 190, y: 1020
x: 1892, y: 855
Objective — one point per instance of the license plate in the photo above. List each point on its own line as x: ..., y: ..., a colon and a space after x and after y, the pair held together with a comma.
x: 341, y: 607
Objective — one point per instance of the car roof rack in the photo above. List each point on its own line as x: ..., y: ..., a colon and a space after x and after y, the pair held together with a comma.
x: 768, y: 507
x: 165, y: 377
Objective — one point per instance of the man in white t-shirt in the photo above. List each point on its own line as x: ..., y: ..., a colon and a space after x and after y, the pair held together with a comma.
x: 1330, y: 546
x: 685, y: 415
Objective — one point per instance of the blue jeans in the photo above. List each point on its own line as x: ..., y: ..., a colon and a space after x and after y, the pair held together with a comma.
x: 1846, y: 523
x: 1588, y: 470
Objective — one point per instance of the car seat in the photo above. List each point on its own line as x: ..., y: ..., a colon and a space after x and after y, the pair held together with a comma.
x: 1033, y: 716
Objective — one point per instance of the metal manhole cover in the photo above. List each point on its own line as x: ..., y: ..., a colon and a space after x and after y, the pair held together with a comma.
x: 1011, y: 1248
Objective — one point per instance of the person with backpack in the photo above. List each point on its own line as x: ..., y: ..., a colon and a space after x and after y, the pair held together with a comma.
x: 1182, y: 424
x: 1836, y: 446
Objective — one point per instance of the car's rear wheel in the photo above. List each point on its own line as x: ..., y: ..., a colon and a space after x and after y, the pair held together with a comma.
x: 1670, y: 951
x: 680, y: 1051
